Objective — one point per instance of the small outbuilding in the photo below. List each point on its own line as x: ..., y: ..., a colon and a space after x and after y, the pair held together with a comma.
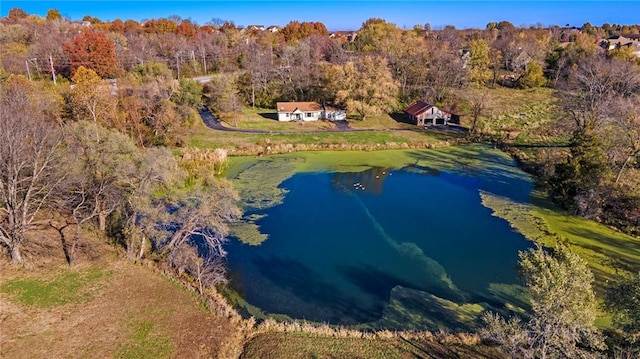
x: 422, y: 113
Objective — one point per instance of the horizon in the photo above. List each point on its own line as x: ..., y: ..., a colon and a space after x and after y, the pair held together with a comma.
x: 351, y: 14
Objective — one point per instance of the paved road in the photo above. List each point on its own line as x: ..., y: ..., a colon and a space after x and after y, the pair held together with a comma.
x: 213, y: 123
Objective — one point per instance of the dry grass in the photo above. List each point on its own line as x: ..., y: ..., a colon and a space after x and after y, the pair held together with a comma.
x: 126, y: 311
x: 300, y: 344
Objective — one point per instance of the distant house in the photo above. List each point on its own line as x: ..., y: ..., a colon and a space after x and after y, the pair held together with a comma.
x: 308, y: 111
x: 422, y: 113
x: 618, y: 42
x: 273, y: 28
x: 255, y: 27
x: 345, y: 36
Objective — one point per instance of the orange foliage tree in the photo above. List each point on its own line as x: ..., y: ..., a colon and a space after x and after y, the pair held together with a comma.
x: 295, y: 30
x: 93, y: 50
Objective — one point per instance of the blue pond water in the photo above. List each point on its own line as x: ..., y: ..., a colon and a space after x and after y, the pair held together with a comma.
x: 340, y: 242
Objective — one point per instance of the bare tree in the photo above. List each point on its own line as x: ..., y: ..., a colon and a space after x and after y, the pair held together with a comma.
x: 156, y: 168
x: 206, y: 270
x: 594, y: 86
x: 181, y: 214
x: 629, y: 127
x: 30, y: 154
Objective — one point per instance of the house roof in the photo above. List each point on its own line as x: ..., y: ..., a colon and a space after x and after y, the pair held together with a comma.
x: 302, y: 106
x: 417, y: 108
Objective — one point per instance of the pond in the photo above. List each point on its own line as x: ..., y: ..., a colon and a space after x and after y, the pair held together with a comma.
x: 408, y: 246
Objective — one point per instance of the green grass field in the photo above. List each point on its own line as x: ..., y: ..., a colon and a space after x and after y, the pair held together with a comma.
x: 63, y: 288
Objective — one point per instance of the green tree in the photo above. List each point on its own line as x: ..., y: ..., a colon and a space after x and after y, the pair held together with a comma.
x: 533, y: 76
x: 221, y: 97
x: 189, y: 94
x: 96, y: 179
x: 575, y: 183
x: 623, y: 301
x: 564, y: 309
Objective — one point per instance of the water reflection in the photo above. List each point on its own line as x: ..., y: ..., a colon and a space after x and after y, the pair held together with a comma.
x: 372, y: 181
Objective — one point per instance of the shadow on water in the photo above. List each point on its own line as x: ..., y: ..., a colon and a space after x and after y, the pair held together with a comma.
x: 313, y: 299
x: 373, y: 281
x: 496, y: 173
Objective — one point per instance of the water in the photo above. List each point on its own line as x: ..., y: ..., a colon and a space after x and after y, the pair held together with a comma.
x: 341, y: 242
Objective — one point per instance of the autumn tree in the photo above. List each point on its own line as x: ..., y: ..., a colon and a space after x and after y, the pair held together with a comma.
x: 30, y: 162
x: 564, y: 309
x: 445, y: 71
x: 16, y: 14
x: 90, y: 99
x: 405, y: 52
x: 295, y: 31
x: 92, y: 50
x: 156, y: 109
x: 365, y: 87
x: 479, y: 61
x: 53, y: 15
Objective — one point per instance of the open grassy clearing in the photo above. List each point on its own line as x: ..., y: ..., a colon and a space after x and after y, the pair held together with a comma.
x: 382, y: 121
x: 521, y: 116
x: 251, y: 144
x: 61, y: 288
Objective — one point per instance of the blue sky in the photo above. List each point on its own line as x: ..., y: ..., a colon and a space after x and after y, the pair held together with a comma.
x: 347, y: 15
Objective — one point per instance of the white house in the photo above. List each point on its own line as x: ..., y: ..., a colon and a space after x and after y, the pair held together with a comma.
x: 307, y: 111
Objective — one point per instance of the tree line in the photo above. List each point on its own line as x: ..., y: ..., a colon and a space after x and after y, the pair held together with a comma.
x: 381, y: 70
x: 63, y: 173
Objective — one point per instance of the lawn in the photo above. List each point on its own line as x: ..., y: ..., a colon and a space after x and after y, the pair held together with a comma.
x: 239, y: 143
x: 267, y: 120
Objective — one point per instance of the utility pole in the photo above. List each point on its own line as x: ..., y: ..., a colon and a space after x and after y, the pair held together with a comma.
x: 53, y: 71
x: 204, y: 61
x: 178, y: 64
x: 28, y: 72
